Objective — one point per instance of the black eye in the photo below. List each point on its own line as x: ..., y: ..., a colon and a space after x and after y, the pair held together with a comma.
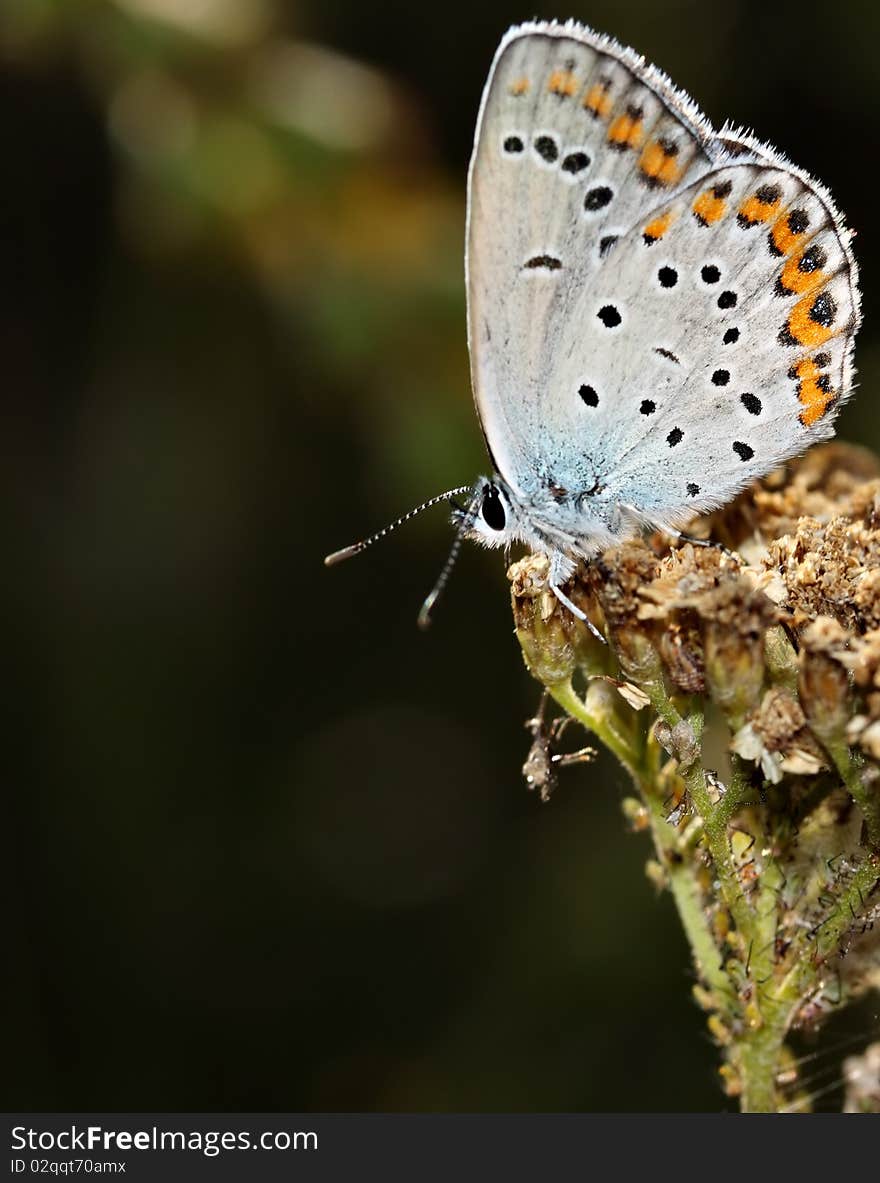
x: 493, y: 509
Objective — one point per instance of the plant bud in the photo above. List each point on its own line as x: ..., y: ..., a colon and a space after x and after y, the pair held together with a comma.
x: 823, y: 680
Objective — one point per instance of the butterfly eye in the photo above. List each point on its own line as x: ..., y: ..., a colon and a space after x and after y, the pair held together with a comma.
x: 493, y: 509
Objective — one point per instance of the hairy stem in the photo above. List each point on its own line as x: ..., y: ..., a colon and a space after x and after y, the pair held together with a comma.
x: 759, y: 1056
x: 850, y: 768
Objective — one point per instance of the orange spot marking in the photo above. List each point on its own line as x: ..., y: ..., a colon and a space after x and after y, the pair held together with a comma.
x: 626, y: 131
x: 563, y: 83
x: 652, y: 159
x: 784, y: 238
x: 521, y: 86
x: 670, y: 172
x: 815, y: 410
x: 658, y: 227
x: 806, y: 369
x: 805, y: 330
x: 812, y: 392
x: 598, y: 100
x: 800, y: 281
x: 659, y: 164
x: 709, y: 208
x: 753, y: 209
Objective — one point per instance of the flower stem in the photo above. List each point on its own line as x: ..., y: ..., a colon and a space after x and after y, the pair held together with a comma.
x: 759, y: 1056
x: 866, y: 797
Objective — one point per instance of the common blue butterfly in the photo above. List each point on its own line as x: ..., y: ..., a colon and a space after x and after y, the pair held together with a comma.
x: 658, y: 313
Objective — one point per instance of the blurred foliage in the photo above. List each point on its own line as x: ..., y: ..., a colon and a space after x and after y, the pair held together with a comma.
x: 272, y: 848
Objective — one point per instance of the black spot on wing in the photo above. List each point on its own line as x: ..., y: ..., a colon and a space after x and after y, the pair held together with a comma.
x: 597, y: 198
x: 798, y: 221
x: 575, y: 162
x: 812, y: 259
x: 752, y: 403
x: 547, y: 148
x: 543, y: 263
x: 823, y: 310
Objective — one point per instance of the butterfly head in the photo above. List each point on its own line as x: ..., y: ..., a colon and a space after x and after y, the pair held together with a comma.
x: 497, y: 516
x: 493, y: 517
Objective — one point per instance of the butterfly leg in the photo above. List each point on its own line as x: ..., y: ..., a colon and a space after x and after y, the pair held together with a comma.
x: 708, y: 542
x: 665, y: 528
x: 560, y: 570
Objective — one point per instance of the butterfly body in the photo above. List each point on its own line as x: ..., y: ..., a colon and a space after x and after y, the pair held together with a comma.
x: 545, y: 515
x: 658, y: 314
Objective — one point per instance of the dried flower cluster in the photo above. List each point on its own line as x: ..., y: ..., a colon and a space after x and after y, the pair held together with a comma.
x: 740, y: 689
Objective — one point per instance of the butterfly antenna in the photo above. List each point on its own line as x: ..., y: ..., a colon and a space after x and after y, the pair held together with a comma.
x: 464, y: 524
x: 348, y: 552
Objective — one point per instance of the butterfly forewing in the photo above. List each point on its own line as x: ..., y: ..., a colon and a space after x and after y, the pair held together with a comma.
x: 575, y: 142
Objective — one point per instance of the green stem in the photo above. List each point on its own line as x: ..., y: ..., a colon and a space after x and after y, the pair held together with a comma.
x: 688, y: 897
x: 759, y: 1011
x: 850, y: 767
x: 602, y: 727
x: 759, y: 1055
x: 851, y: 905
x: 714, y: 821
x: 762, y: 956
x: 735, y: 797
x: 719, y: 846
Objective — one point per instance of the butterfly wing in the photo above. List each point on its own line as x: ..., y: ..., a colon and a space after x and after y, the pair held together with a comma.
x: 601, y: 207
x: 733, y: 348
x: 574, y: 140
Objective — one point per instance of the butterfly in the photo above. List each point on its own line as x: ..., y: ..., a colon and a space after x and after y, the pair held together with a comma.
x: 658, y: 313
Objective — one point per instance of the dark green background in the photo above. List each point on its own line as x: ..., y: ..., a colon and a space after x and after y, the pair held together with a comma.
x: 271, y: 846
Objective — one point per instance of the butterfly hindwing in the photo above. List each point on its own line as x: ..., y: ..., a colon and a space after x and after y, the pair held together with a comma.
x: 733, y: 346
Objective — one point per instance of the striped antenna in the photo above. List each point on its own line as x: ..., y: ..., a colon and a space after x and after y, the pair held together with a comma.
x: 348, y: 552
x: 465, y: 522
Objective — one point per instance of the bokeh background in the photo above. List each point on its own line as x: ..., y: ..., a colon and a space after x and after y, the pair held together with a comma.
x: 272, y: 848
